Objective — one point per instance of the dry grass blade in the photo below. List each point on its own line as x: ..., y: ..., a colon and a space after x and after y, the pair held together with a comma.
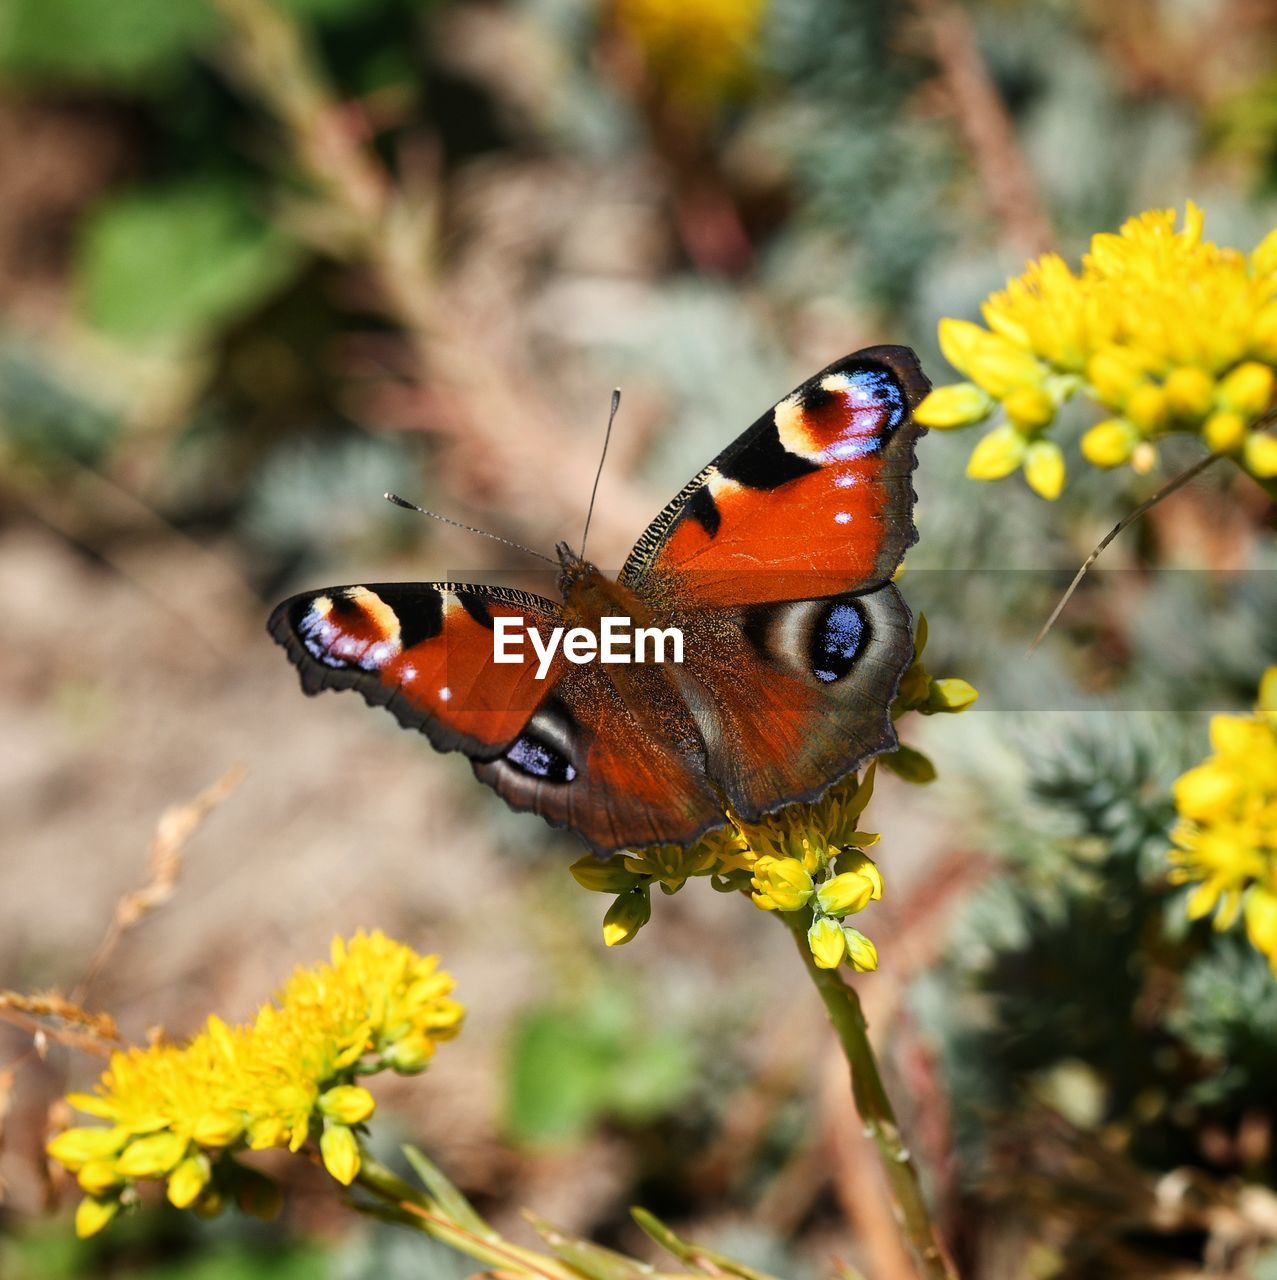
x: 164, y: 862
x: 1125, y: 522
x: 53, y: 1005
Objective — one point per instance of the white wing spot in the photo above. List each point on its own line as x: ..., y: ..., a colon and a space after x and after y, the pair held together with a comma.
x: 444, y: 694
x: 843, y: 517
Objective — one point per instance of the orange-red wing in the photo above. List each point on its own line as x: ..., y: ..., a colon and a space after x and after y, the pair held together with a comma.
x: 793, y: 696
x: 568, y: 747
x: 814, y: 499
x: 620, y: 772
x: 423, y: 650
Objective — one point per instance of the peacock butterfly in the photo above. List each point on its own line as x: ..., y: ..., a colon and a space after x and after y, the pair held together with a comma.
x: 775, y: 565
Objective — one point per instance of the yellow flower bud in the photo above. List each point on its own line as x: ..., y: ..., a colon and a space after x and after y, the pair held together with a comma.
x: 93, y: 1214
x: 152, y: 1156
x: 626, y: 916
x: 1260, y: 455
x: 1110, y: 443
x: 1264, y: 333
x: 1029, y: 407
x: 958, y: 341
x: 950, y: 694
x: 267, y: 1131
x: 1268, y: 693
x: 853, y: 860
x: 998, y: 454
x: 1248, y: 389
x: 603, y: 876
x: 1239, y: 737
x: 1205, y: 791
x: 76, y: 1147
x: 996, y: 363
x: 1261, y: 921
x: 188, y: 1180
x: 1146, y: 407
x: 781, y: 884
x: 1263, y: 260
x: 1224, y: 431
x: 847, y: 893
x: 98, y: 1177
x: 1144, y: 459
x: 347, y: 1103
x: 410, y: 1055
x: 217, y: 1128
x: 340, y: 1152
x: 1115, y: 373
x: 909, y: 764
x: 1044, y: 469
x: 827, y: 943
x: 1189, y: 391
x: 860, y: 951
x: 958, y: 405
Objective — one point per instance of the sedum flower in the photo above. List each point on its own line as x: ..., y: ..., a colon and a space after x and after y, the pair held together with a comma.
x: 860, y: 950
x: 781, y: 884
x: 827, y: 941
x: 1226, y: 837
x: 626, y: 916
x: 1161, y: 329
x: 702, y: 53
x: 179, y: 1112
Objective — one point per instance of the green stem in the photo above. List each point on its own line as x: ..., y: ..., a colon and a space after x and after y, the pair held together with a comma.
x: 843, y: 1006
x: 424, y: 1212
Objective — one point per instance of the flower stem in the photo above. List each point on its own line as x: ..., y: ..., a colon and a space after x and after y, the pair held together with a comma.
x: 843, y: 1007
x: 421, y: 1210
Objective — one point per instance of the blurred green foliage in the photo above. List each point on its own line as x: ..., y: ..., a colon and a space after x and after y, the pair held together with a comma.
x: 572, y: 1068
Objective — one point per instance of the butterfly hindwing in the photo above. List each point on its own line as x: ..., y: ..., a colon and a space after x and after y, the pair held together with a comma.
x: 423, y: 650
x: 814, y: 499
x: 619, y: 771
x: 791, y: 696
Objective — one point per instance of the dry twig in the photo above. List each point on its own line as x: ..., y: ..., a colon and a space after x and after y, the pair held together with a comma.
x: 164, y: 861
x: 986, y: 127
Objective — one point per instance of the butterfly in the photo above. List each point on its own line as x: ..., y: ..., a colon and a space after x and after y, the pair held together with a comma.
x: 775, y: 563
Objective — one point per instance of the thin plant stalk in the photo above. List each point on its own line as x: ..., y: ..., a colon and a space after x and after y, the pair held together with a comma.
x: 875, y: 1109
x: 420, y: 1210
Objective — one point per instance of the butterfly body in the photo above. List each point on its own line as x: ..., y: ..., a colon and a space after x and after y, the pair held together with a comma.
x: 774, y: 565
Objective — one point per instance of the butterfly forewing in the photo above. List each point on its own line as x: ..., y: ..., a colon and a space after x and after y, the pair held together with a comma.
x: 425, y: 651
x: 814, y: 499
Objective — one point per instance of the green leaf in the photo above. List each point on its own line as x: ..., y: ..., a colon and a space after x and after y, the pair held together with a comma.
x: 559, y: 1078
x: 448, y: 1197
x: 591, y: 1260
x: 572, y: 1068
x: 172, y: 265
x: 88, y: 42
x: 705, y: 1260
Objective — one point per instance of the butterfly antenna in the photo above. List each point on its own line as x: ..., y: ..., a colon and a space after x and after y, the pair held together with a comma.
x: 469, y: 528
x: 594, y: 493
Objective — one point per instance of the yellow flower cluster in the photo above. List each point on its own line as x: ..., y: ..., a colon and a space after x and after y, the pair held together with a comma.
x: 804, y: 857
x: 1226, y: 839
x: 701, y: 52
x: 1163, y: 330
x: 813, y: 862
x: 178, y: 1111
